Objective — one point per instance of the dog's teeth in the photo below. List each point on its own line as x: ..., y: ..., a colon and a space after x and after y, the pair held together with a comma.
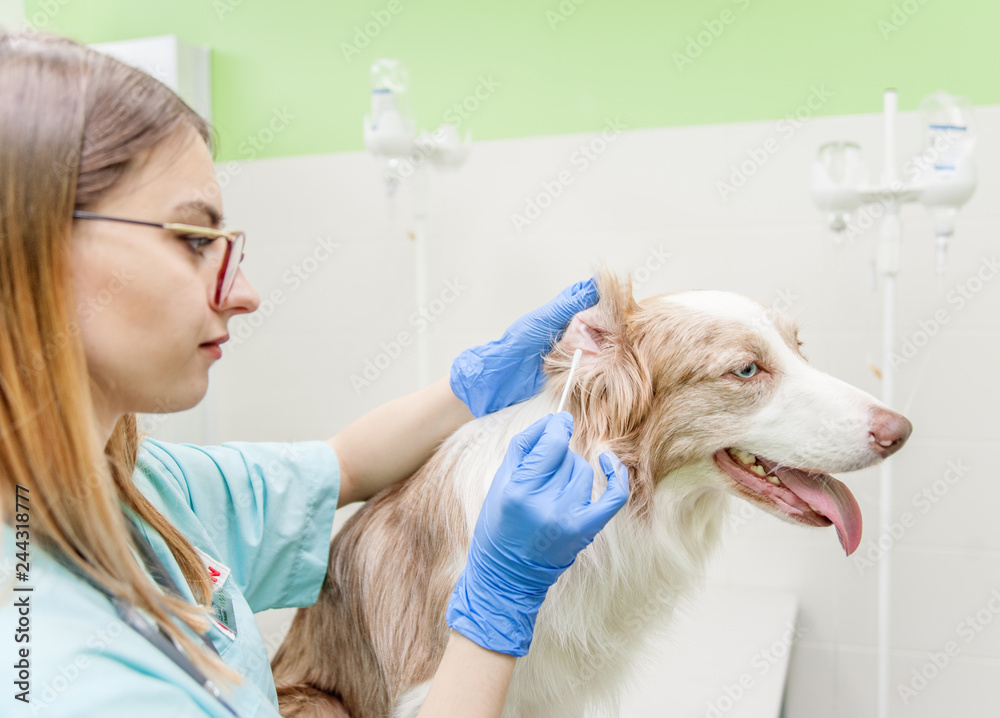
x: 774, y: 480
x: 758, y: 469
x: 744, y: 456
x: 813, y: 508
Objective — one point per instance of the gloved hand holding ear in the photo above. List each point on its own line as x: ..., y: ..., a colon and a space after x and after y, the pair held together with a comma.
x: 503, y: 372
x: 536, y: 518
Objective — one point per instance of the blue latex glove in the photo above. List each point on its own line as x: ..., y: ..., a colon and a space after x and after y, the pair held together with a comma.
x: 536, y: 518
x: 495, y: 375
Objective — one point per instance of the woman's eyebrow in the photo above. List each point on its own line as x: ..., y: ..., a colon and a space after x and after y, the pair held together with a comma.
x: 201, y: 207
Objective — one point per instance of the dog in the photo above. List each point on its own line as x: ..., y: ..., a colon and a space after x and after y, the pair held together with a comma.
x: 703, y: 395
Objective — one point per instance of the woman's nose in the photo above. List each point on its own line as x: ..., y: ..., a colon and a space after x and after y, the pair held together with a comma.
x: 243, y: 298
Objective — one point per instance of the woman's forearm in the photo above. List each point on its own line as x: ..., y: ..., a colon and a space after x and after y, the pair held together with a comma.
x: 391, y: 441
x: 471, y: 682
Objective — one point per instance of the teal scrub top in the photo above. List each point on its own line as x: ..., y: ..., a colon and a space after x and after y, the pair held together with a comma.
x: 262, y: 515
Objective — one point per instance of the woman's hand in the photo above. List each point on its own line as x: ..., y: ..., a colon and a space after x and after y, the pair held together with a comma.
x: 536, y: 518
x: 495, y: 375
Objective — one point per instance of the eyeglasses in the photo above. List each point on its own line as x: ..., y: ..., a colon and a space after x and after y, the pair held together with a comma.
x: 235, y: 242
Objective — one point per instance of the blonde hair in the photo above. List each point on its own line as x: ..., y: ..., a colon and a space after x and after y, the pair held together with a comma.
x: 72, y: 122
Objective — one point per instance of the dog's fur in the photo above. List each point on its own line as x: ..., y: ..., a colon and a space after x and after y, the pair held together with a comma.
x: 657, y: 387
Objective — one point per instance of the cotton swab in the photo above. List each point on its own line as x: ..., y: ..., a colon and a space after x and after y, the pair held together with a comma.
x: 569, y: 379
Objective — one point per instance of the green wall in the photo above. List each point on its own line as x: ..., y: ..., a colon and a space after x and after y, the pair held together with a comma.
x: 549, y: 67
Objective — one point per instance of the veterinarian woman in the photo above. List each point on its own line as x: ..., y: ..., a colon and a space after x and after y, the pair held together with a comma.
x: 132, y: 567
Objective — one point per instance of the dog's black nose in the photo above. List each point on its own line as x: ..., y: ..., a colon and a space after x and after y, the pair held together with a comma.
x: 889, y: 431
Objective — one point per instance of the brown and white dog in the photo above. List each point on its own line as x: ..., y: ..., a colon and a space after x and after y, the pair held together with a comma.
x: 703, y: 395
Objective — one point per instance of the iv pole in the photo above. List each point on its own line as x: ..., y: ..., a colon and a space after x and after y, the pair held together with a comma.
x: 390, y: 133
x: 889, y: 249
x: 944, y: 185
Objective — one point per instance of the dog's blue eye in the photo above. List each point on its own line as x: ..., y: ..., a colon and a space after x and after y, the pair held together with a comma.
x: 746, y: 372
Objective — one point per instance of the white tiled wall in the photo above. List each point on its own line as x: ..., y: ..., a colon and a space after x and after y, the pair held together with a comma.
x: 654, y: 191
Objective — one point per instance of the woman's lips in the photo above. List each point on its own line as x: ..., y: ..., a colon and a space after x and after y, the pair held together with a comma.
x: 213, y: 347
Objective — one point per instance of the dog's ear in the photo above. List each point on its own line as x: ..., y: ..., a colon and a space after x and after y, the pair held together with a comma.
x: 612, y: 388
x: 601, y: 327
x: 586, y: 331
x: 612, y: 391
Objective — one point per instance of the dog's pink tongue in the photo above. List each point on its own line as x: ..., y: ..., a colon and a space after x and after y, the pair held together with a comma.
x: 832, y: 498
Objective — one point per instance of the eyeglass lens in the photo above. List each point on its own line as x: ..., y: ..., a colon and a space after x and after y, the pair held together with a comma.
x: 230, y: 266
